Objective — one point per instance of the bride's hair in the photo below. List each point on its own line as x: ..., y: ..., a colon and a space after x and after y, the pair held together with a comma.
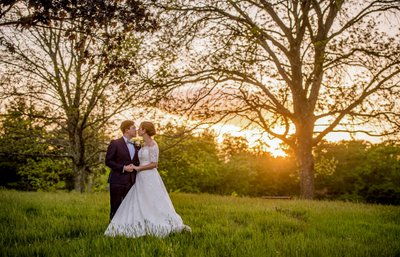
x: 148, y: 127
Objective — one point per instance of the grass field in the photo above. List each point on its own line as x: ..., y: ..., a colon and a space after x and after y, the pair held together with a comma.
x: 72, y: 224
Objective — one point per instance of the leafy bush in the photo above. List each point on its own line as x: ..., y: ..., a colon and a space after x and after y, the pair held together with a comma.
x: 45, y: 174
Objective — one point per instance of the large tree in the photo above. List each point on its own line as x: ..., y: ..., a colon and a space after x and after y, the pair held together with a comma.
x: 296, y: 70
x: 83, y: 71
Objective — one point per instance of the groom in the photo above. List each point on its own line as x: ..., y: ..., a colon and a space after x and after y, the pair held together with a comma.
x: 120, y: 157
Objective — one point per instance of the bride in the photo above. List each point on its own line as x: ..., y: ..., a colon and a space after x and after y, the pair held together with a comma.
x: 147, y: 208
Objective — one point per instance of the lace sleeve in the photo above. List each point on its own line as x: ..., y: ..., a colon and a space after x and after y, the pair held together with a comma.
x: 154, y: 152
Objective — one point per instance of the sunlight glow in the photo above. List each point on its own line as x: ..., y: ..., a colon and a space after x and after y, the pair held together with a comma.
x: 253, y: 138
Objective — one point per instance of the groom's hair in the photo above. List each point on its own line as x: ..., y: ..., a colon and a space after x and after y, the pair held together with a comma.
x: 148, y: 127
x: 126, y: 124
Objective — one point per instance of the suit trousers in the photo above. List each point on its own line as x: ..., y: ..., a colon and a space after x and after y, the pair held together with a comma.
x: 117, y: 195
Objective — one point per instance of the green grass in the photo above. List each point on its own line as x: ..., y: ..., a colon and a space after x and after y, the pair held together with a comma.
x: 72, y: 224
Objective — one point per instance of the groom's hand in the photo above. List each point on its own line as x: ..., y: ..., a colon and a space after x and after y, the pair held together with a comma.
x: 128, y: 168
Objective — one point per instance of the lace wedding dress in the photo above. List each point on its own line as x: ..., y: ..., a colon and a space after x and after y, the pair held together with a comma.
x: 147, y: 208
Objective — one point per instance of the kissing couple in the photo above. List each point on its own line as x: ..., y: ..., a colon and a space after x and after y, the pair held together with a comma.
x: 140, y: 204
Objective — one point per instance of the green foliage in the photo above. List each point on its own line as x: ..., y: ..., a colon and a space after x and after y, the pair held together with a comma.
x: 363, y: 172
x: 197, y: 164
x: 28, y: 159
x: 255, y: 173
x: 189, y: 163
x: 276, y: 176
x: 21, y: 131
x: 325, y: 167
x: 98, y: 178
x: 45, y: 174
x: 72, y: 224
x: 381, y: 176
x: 348, y: 170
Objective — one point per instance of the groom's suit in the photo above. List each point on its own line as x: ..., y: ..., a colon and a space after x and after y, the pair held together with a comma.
x: 117, y: 157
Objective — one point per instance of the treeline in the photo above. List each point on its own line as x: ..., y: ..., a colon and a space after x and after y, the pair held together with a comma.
x: 32, y: 158
x: 346, y: 170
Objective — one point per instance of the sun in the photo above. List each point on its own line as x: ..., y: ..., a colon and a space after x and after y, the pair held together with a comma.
x: 275, y: 148
x: 272, y: 146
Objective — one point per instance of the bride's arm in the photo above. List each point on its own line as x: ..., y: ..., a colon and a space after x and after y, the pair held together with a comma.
x: 153, y: 154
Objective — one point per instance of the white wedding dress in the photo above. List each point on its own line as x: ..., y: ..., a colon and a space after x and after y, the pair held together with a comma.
x: 147, y: 208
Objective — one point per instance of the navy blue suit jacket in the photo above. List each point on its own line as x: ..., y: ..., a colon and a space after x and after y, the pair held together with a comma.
x: 117, y: 157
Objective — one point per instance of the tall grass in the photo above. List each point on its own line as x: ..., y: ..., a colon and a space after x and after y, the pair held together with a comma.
x: 72, y: 224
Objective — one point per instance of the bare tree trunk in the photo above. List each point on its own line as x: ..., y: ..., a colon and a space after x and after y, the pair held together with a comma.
x: 79, y: 172
x: 89, y: 182
x: 305, y: 160
x: 78, y: 152
x: 303, y: 150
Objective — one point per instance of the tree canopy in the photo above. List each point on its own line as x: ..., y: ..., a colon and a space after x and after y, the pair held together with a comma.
x: 78, y: 63
x: 132, y: 14
x: 296, y: 70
